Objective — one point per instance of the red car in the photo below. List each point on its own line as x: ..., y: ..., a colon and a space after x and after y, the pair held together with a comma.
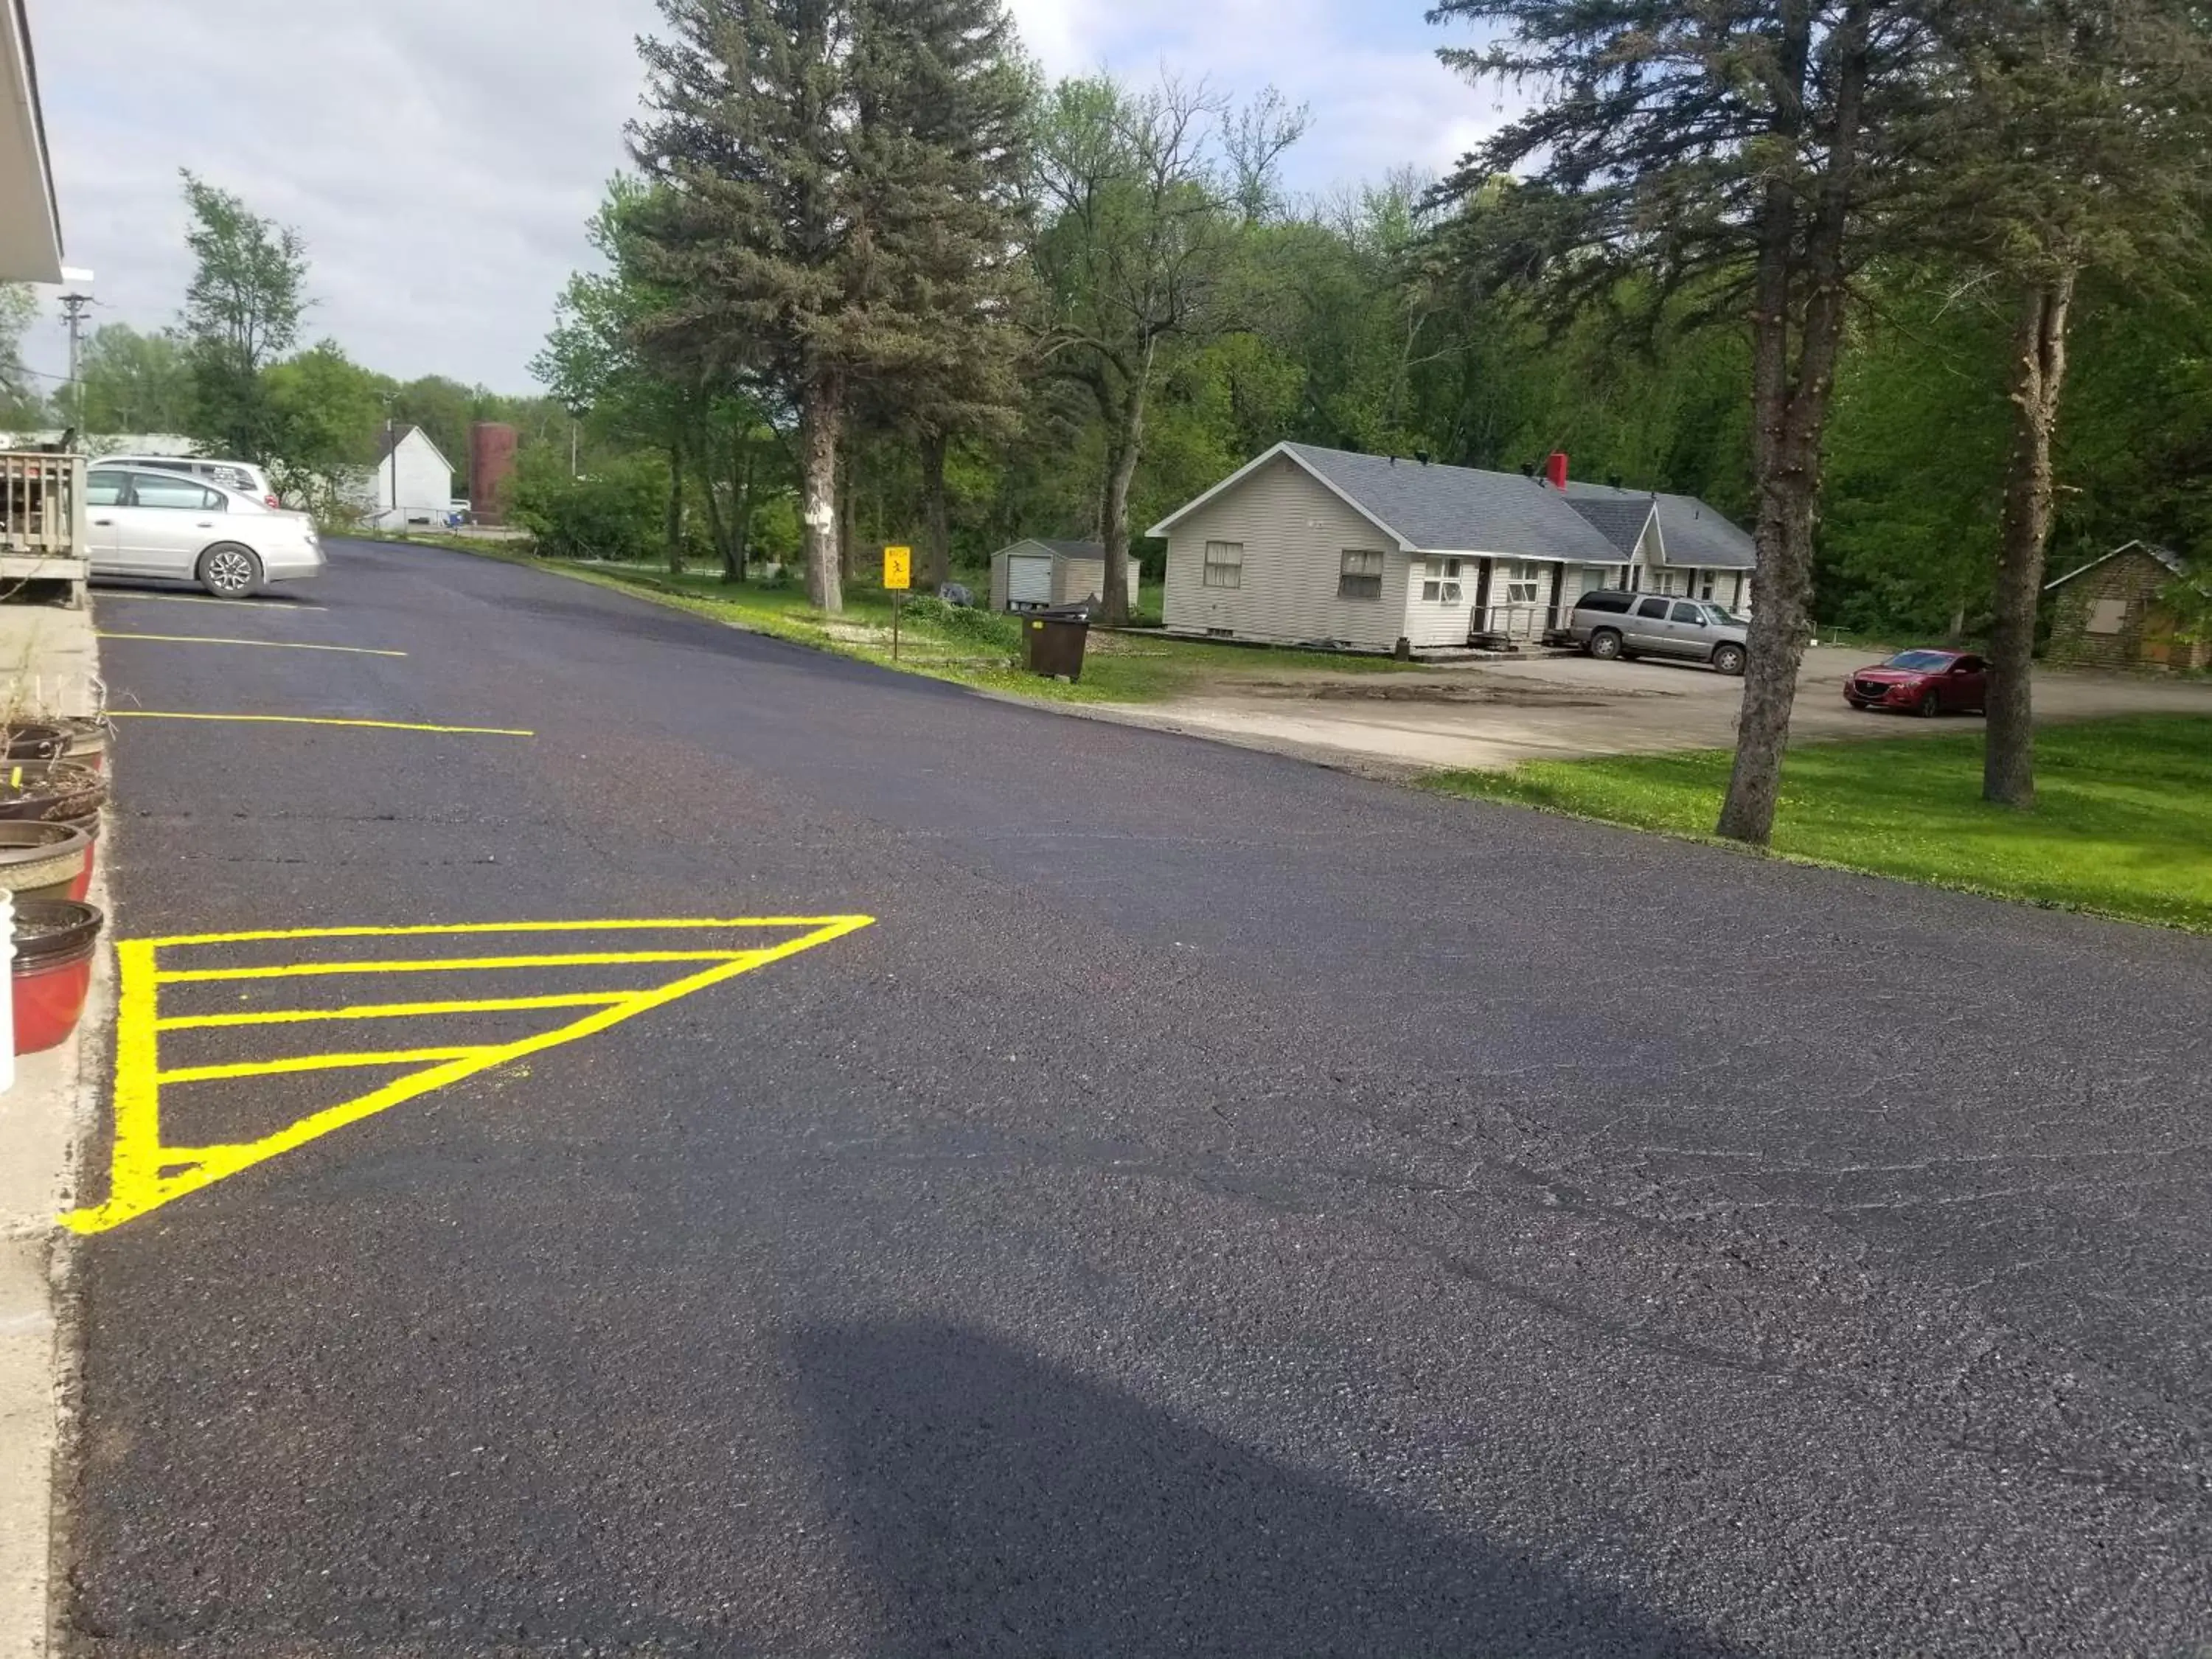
x: 1927, y: 682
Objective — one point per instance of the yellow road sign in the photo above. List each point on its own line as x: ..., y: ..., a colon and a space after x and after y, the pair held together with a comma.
x: 147, y: 1172
x: 898, y: 567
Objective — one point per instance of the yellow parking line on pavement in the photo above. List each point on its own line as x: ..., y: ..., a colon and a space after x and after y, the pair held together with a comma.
x: 393, y: 1011
x: 267, y: 935
x: 442, y: 964
x: 324, y: 1063
x: 100, y: 596
x: 272, y: 645
x: 317, y: 719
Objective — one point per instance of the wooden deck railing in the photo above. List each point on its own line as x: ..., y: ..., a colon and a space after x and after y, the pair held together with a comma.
x: 41, y: 505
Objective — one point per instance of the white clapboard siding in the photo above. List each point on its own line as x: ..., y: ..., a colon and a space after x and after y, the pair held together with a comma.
x: 1432, y: 622
x: 1294, y: 533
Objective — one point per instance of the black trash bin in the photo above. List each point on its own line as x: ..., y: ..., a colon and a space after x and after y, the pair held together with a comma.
x: 1053, y: 640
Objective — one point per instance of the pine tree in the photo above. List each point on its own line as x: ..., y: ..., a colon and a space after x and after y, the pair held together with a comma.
x: 833, y: 185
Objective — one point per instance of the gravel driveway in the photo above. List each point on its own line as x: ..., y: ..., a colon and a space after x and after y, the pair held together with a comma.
x: 1559, y: 707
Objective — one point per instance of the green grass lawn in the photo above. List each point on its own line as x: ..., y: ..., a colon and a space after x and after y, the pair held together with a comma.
x: 2122, y: 825
x: 974, y: 647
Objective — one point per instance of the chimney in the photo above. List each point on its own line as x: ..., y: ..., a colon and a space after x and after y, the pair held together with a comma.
x: 1556, y: 470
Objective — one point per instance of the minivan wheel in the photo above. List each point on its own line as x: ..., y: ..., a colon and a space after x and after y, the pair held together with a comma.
x: 1605, y: 645
x: 229, y: 571
x: 1728, y: 658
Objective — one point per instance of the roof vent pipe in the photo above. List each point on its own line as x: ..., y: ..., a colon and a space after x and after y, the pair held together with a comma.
x: 1556, y: 470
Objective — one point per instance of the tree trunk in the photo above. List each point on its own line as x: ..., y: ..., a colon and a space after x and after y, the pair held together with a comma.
x: 821, y: 425
x: 740, y: 552
x: 673, y: 528
x: 849, y: 516
x: 936, y: 526
x: 716, y: 528
x: 1123, y: 450
x: 2038, y: 378
x: 1789, y: 413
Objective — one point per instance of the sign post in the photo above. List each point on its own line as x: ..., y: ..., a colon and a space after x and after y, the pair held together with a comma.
x: 898, y: 576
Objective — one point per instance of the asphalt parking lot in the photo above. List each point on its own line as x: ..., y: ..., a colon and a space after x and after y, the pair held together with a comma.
x: 634, y: 1137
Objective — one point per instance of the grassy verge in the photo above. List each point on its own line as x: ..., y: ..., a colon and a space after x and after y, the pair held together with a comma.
x: 2122, y: 826
x: 974, y: 647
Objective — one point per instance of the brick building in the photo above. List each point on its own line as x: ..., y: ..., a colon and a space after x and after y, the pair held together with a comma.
x: 2112, y: 613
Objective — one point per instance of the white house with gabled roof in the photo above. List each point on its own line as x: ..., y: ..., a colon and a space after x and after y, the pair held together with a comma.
x: 1307, y: 545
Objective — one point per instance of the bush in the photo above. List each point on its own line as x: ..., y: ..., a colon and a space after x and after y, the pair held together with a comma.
x: 982, y: 627
x: 615, y: 514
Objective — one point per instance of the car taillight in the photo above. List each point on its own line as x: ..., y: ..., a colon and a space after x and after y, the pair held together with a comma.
x: 272, y: 502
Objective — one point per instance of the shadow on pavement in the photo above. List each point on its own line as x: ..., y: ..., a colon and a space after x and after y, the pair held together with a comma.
x: 1010, y: 1507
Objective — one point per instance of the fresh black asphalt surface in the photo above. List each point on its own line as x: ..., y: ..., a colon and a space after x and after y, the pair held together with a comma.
x: 1222, y: 1205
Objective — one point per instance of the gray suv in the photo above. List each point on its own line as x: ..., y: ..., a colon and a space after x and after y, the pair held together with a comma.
x: 1609, y: 623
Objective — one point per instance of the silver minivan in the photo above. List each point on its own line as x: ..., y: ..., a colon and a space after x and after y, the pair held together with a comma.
x: 1611, y: 622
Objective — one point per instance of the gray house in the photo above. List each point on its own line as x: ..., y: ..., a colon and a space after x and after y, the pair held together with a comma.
x: 1030, y: 573
x: 1307, y: 544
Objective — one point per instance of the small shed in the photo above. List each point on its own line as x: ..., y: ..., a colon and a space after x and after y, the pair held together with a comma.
x: 412, y: 482
x: 1032, y: 573
x: 2112, y: 612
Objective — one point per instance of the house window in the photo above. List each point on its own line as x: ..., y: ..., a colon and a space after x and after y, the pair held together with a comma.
x: 1440, y: 582
x: 1224, y: 564
x: 1521, y: 580
x: 2110, y: 617
x: 1705, y: 585
x: 1360, y: 576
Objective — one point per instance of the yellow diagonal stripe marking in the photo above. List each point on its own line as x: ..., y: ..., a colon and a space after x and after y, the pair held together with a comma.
x: 145, y: 1174
x: 292, y: 1063
x: 269, y: 645
x: 391, y: 1011
x: 441, y: 965
x: 315, y: 720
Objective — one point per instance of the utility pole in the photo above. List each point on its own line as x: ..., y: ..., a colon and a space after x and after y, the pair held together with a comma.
x: 76, y: 305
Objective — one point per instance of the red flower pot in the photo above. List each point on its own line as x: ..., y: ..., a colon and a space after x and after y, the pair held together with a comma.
x: 90, y: 824
x: 54, y: 942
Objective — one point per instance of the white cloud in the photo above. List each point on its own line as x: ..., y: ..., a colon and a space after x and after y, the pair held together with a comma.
x: 440, y: 158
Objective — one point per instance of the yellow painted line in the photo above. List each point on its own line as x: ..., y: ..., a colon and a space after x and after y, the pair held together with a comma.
x: 441, y: 965
x: 101, y: 596
x: 141, y: 1179
x: 271, y: 645
x: 307, y: 720
x: 430, y: 929
x: 323, y: 1063
x: 390, y: 1011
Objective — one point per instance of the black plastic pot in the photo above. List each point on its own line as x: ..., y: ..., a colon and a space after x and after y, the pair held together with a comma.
x: 34, y: 740
x: 39, y: 861
x: 49, y: 789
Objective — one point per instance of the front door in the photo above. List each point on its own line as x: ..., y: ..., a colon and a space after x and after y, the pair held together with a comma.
x: 166, y: 521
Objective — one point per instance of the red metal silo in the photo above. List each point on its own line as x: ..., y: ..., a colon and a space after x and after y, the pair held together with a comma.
x: 491, y: 471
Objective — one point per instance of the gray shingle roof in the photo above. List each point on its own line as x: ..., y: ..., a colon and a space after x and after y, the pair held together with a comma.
x: 1692, y: 534
x: 1461, y: 509
x: 1078, y: 550
x: 1619, y: 515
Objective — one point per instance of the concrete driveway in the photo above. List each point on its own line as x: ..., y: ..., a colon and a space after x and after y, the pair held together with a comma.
x: 1558, y: 707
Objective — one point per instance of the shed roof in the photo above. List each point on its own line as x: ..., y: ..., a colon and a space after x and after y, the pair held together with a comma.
x: 393, y: 436
x: 1058, y: 549
x: 1462, y: 509
x: 2165, y: 556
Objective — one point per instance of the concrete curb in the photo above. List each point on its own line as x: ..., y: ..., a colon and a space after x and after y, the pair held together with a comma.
x: 45, y: 1122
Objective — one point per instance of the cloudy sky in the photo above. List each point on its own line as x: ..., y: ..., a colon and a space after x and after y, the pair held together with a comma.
x: 440, y: 156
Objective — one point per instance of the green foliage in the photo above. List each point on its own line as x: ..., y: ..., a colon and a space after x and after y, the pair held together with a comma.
x: 613, y: 513
x: 241, y: 311
x: 2122, y: 825
x: 21, y: 401
x: 134, y: 382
